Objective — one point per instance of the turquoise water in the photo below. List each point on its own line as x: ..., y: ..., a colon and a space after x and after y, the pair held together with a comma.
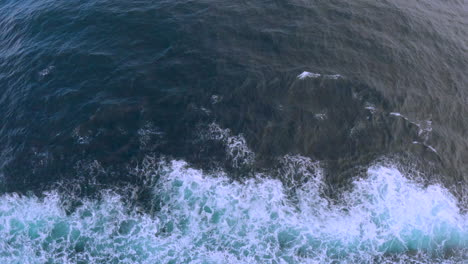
x: 207, y: 218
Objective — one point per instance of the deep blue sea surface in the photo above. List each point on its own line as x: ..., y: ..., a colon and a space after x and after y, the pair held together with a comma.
x: 214, y: 131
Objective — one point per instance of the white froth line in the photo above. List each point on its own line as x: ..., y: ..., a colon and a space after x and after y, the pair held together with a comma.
x: 308, y: 75
x: 431, y: 148
x: 424, y: 130
x: 333, y: 76
x: 427, y: 146
x: 320, y: 116
x: 372, y: 109
x: 404, y: 117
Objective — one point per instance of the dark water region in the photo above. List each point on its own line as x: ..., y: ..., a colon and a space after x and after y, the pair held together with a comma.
x: 103, y: 70
x: 92, y: 90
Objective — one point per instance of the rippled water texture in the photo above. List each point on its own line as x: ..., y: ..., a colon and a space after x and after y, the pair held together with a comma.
x: 290, y: 131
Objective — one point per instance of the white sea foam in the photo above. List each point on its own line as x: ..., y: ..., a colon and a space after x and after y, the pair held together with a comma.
x: 148, y: 132
x: 81, y: 139
x: 236, y: 146
x: 427, y: 146
x: 371, y: 108
x: 216, y: 99
x: 46, y: 71
x: 332, y: 76
x: 204, y: 218
x: 320, y: 116
x: 395, y: 114
x: 205, y: 110
x: 312, y: 75
x: 424, y: 128
x: 306, y: 74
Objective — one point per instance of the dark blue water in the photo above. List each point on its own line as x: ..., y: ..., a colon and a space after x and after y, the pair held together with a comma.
x: 233, y: 131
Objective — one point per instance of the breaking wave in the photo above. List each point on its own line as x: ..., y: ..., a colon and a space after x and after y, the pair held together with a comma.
x: 201, y: 217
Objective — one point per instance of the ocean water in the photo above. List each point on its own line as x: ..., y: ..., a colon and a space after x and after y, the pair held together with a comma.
x: 203, y: 218
x: 205, y: 131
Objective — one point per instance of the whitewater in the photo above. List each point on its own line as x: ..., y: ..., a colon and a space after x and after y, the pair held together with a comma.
x: 199, y: 217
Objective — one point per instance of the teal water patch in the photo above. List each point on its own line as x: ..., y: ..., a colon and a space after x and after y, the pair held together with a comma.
x: 204, y: 218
